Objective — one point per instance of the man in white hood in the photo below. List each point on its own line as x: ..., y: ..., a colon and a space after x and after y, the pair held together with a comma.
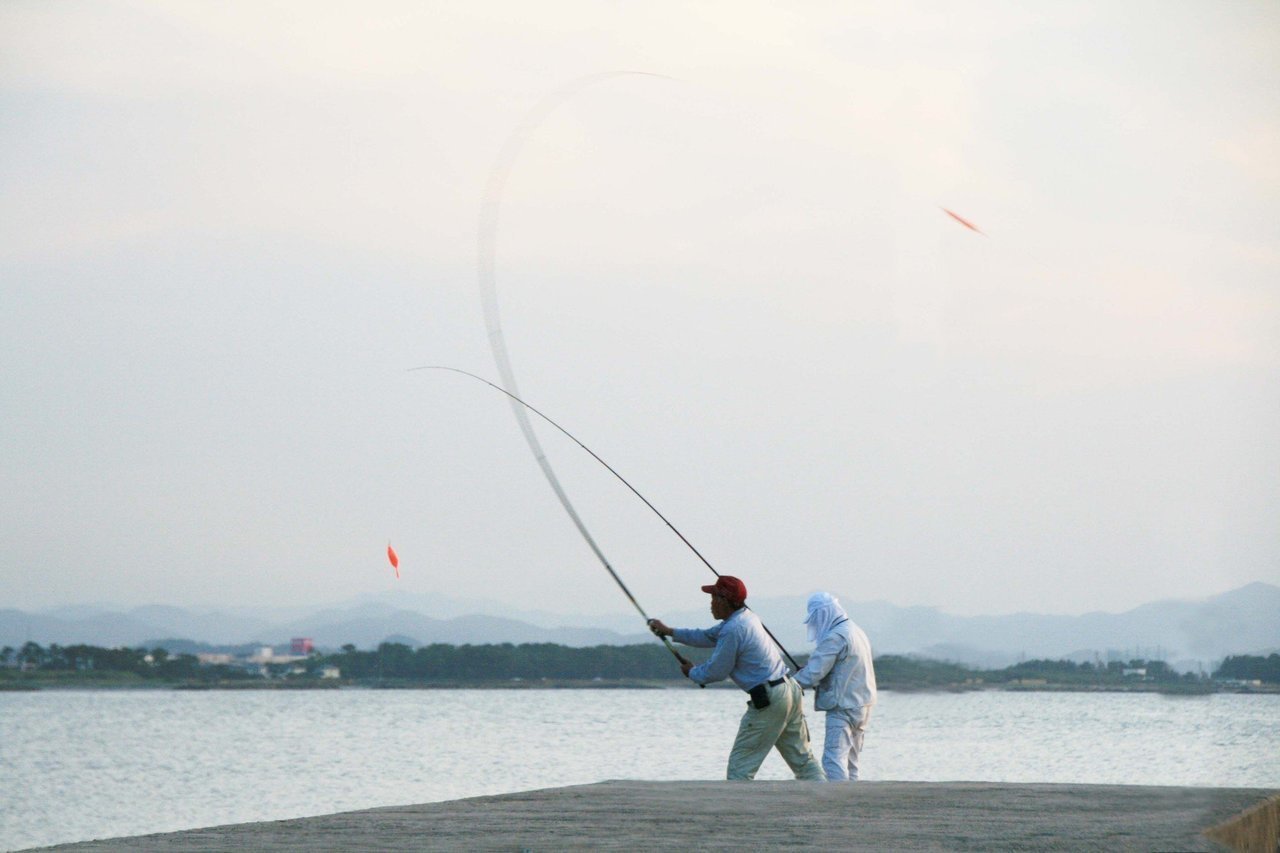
x: 840, y: 669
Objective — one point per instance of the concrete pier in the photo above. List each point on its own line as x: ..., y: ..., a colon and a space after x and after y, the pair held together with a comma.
x: 757, y: 816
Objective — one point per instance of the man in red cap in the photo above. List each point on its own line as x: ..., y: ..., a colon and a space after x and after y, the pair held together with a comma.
x: 745, y: 653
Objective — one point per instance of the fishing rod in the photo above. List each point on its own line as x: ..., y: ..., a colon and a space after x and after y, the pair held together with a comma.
x: 634, y: 491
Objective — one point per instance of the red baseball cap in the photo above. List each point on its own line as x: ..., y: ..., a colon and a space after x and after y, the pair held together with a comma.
x: 728, y: 587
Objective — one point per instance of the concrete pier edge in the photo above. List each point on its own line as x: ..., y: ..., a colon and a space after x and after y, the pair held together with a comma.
x: 1254, y: 829
x: 630, y: 815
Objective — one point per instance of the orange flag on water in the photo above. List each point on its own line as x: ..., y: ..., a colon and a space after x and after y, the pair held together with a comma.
x: 393, y: 559
x: 966, y: 223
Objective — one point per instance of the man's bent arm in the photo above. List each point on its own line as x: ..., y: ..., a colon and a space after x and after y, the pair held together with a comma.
x: 700, y: 637
x: 720, y: 664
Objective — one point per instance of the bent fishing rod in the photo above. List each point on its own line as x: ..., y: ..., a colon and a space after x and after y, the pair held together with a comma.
x: 634, y: 491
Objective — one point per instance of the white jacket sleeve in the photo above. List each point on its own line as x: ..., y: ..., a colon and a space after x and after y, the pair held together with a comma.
x: 829, y: 650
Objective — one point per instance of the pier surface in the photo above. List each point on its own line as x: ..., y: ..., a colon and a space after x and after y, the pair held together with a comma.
x: 756, y: 815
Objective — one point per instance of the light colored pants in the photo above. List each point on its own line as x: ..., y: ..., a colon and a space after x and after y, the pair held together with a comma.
x: 781, y: 724
x: 843, y: 743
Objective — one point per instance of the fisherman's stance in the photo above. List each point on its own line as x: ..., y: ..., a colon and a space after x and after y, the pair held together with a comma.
x: 841, y: 671
x: 744, y: 653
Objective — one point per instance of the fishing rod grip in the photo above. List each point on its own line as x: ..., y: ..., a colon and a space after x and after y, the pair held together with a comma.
x: 667, y: 642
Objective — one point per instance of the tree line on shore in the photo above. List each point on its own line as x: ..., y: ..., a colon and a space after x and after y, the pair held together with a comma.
x: 1251, y: 668
x: 506, y: 662
x: 88, y: 662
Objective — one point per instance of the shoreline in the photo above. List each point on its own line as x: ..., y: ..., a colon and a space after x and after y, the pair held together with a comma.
x: 44, y: 685
x: 629, y: 815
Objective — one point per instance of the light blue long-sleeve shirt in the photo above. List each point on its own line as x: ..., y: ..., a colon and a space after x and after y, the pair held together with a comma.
x: 743, y: 651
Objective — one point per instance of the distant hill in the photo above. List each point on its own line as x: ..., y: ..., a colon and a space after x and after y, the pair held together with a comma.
x: 364, y: 626
x: 1243, y: 621
x: 87, y: 625
x: 368, y: 625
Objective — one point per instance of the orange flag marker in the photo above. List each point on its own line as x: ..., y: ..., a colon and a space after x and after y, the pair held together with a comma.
x: 393, y: 559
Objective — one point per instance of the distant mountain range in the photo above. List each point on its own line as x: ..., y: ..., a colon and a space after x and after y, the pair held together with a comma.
x: 1189, y: 633
x: 364, y: 625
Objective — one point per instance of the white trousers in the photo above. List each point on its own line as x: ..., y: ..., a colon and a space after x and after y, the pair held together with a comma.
x: 843, y: 742
x: 781, y: 725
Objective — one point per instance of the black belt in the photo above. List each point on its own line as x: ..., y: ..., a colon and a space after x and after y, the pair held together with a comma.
x: 773, y: 683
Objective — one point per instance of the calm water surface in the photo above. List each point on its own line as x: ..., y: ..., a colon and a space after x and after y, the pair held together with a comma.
x: 76, y: 765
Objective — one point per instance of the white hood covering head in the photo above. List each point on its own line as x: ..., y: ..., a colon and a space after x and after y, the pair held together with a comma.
x: 824, y: 612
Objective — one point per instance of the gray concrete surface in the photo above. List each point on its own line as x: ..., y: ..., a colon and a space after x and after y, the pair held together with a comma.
x: 755, y: 816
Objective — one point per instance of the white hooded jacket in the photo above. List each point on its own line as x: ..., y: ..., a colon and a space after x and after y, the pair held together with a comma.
x: 840, y: 666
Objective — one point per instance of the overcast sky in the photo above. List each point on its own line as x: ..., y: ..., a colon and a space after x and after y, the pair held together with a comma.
x: 227, y: 230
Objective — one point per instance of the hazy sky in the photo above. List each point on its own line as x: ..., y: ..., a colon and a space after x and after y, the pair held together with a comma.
x: 227, y: 229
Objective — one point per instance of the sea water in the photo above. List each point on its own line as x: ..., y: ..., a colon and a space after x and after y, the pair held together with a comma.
x: 77, y: 765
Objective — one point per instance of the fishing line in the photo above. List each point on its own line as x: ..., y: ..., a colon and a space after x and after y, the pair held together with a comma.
x: 524, y: 405
x: 665, y: 640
